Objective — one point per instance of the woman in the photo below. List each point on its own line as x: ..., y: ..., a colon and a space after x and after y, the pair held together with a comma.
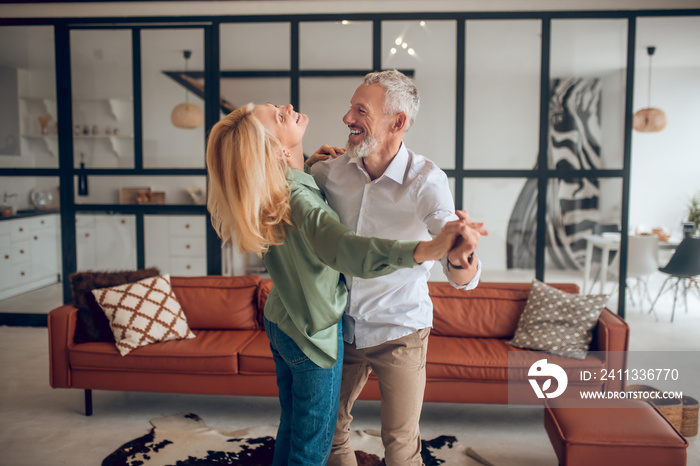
x: 261, y: 199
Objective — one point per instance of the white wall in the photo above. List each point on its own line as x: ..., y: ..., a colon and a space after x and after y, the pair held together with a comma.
x: 665, y: 170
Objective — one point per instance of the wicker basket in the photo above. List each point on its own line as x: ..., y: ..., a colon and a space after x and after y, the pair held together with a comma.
x: 689, y: 424
x: 672, y: 409
x: 682, y: 414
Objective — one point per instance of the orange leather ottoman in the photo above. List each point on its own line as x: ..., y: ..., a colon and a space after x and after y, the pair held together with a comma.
x: 619, y: 433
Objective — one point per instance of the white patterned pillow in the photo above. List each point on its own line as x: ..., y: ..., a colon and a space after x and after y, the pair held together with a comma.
x: 143, y: 312
x: 558, y: 322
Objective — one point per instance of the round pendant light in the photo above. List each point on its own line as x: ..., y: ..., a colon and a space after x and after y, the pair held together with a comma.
x: 649, y: 119
x: 187, y: 115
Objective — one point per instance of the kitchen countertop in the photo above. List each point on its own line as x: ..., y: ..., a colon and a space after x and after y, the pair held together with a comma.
x: 29, y: 213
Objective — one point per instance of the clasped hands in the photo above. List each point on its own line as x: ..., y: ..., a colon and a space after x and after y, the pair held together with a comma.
x: 458, y: 239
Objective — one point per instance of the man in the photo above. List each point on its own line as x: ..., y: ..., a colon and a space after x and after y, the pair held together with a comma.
x: 380, y: 188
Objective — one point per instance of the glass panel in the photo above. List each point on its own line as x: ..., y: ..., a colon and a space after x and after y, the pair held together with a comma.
x: 25, y: 194
x: 587, y: 103
x: 508, y: 207
x: 658, y: 201
x: 325, y: 101
x: 576, y: 209
x: 502, y: 94
x: 105, y: 242
x: 183, y: 190
x: 28, y: 131
x: 269, y: 50
x: 266, y: 46
x: 176, y: 244
x: 345, y: 45
x: 240, y: 91
x: 169, y: 80
x: 103, y: 115
x: 429, y: 55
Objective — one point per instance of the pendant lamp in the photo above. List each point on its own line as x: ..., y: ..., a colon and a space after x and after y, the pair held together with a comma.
x: 187, y: 115
x: 649, y: 119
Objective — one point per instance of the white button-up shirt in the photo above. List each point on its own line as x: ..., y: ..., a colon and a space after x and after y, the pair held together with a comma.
x: 410, y: 201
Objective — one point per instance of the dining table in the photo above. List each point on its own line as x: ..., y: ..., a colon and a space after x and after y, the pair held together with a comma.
x: 608, y: 243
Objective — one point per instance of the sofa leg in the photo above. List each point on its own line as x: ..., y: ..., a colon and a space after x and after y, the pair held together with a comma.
x: 88, y: 402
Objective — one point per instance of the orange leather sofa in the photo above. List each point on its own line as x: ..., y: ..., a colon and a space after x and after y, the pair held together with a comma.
x: 467, y: 358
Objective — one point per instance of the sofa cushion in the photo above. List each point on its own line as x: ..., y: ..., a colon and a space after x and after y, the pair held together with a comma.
x: 256, y: 357
x: 217, y: 302
x: 143, y: 312
x: 486, y: 359
x: 492, y: 310
x: 211, y: 352
x: 558, y: 322
x: 93, y: 324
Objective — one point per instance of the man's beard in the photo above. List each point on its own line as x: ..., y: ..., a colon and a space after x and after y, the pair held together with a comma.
x: 363, y: 149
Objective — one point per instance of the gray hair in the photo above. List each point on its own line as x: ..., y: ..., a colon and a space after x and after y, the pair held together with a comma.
x: 401, y: 95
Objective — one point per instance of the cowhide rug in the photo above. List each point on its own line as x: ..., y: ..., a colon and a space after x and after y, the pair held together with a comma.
x: 185, y: 440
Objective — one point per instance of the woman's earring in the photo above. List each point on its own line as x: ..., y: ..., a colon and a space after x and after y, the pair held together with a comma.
x: 287, y: 153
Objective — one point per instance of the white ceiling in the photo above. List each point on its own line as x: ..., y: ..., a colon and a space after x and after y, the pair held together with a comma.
x: 677, y: 41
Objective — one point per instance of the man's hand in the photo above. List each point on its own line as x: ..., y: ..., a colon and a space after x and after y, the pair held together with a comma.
x: 442, y: 243
x: 324, y: 153
x: 459, y: 238
x: 466, y: 243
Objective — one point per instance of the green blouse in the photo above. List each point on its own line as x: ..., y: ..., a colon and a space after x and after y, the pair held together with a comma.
x: 309, y: 295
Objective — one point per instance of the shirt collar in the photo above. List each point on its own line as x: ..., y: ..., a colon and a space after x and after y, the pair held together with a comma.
x: 298, y: 176
x: 396, y: 169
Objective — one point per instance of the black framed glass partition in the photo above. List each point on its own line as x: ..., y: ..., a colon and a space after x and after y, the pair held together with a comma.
x: 133, y: 153
x: 529, y: 114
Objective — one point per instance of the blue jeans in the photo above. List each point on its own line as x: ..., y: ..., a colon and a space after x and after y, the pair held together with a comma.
x: 308, y: 397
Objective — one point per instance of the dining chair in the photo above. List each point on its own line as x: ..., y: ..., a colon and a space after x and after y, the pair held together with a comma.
x: 683, y: 266
x: 642, y: 262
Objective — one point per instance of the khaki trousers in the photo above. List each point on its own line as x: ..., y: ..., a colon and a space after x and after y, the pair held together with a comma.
x: 400, y: 369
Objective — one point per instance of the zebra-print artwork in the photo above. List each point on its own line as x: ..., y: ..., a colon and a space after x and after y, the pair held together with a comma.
x: 573, y: 204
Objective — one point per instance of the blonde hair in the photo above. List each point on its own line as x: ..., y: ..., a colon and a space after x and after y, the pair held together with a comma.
x: 248, y: 190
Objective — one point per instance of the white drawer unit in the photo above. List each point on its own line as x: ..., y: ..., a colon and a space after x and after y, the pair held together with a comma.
x: 29, y: 254
x: 20, y: 251
x: 176, y: 244
x: 43, y: 222
x: 105, y: 242
x: 188, y: 246
x: 19, y: 229
x: 188, y: 266
x: 187, y: 225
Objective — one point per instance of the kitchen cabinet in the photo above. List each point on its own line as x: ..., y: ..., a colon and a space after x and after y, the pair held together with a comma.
x: 176, y: 244
x: 30, y: 254
x: 105, y: 242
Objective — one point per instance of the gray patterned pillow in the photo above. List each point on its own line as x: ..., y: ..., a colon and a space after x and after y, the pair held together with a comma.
x: 558, y: 322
